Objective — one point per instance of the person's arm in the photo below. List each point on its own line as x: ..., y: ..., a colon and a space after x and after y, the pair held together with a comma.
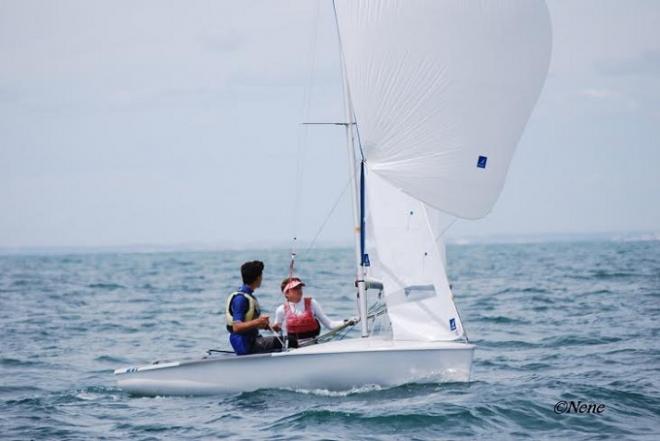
x: 258, y: 323
x: 240, y: 306
x: 279, y: 318
x: 319, y: 314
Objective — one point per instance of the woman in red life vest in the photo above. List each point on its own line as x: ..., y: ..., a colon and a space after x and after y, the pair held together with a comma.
x: 300, y: 316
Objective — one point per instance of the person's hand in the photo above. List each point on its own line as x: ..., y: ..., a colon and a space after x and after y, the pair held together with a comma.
x: 276, y: 327
x: 351, y: 321
x: 263, y: 322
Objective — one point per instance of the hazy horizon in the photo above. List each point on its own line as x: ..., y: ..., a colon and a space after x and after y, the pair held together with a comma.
x: 303, y: 248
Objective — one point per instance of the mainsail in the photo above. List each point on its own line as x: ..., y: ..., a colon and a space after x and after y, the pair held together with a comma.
x: 441, y: 91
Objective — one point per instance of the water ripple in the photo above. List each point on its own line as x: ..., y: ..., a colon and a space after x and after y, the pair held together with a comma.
x: 551, y: 322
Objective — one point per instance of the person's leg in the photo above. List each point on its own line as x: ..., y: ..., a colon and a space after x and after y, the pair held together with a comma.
x: 266, y: 344
x: 239, y: 343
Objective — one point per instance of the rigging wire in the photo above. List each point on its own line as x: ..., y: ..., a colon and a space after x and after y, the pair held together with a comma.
x: 303, y: 133
x: 327, y: 217
x: 357, y: 131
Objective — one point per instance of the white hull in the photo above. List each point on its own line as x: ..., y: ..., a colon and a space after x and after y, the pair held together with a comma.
x: 339, y: 365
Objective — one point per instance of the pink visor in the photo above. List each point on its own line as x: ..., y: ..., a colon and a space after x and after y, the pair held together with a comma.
x: 292, y: 284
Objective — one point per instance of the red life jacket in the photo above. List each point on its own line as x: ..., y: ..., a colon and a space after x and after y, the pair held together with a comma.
x: 303, y: 325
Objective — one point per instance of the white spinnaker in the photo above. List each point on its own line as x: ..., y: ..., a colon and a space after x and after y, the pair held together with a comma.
x: 408, y: 257
x: 437, y: 84
x: 441, y: 90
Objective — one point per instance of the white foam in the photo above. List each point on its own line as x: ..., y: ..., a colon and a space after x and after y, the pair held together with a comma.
x: 339, y: 393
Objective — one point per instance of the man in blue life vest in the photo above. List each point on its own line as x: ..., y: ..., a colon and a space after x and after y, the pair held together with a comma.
x: 244, y: 317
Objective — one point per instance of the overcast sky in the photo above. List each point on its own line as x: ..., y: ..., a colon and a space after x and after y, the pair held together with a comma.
x: 179, y: 122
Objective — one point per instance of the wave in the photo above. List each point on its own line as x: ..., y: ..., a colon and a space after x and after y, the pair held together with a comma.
x: 111, y: 359
x: 517, y: 416
x: 108, y: 286
x: 93, y: 393
x: 502, y: 320
x: 596, y: 292
x: 339, y: 393
x: 528, y: 290
x: 19, y: 388
x: 603, y: 275
x: 149, y: 428
x: 518, y: 344
x: 16, y: 363
x: 369, y: 391
x: 574, y: 340
x: 181, y: 262
x: 118, y: 327
x: 451, y: 419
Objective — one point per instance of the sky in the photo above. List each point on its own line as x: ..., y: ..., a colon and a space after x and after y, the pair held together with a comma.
x: 164, y: 123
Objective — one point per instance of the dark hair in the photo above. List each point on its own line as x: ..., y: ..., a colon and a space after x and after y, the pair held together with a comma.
x: 250, y: 271
x: 286, y: 281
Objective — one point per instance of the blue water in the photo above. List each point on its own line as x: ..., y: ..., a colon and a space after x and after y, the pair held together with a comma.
x: 555, y: 321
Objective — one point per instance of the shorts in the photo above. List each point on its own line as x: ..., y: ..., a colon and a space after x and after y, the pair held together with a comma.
x: 265, y: 344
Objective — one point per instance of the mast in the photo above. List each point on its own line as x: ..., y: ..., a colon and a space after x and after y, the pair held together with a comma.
x: 357, y: 193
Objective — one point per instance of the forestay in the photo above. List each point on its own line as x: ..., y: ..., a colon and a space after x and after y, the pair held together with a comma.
x: 441, y: 92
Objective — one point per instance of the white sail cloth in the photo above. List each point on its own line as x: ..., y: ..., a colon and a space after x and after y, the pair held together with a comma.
x: 437, y: 84
x: 441, y: 91
x: 407, y: 258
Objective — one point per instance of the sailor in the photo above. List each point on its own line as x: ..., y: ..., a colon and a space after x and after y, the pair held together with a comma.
x: 300, y: 316
x: 243, y: 315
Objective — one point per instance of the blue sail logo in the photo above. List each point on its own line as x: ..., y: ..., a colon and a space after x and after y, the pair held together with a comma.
x: 481, y: 162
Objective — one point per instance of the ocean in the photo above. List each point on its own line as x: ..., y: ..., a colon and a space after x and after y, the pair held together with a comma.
x: 553, y: 323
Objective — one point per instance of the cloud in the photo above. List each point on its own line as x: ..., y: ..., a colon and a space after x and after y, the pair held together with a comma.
x: 611, y: 100
x: 599, y: 93
x: 644, y: 64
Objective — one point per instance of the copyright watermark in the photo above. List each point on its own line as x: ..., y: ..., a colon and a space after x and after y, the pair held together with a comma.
x: 578, y: 407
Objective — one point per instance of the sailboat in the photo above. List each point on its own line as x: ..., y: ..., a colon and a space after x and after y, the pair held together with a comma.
x: 436, y: 94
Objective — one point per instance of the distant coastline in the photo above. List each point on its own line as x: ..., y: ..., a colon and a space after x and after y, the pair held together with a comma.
x: 635, y: 236
x: 639, y: 236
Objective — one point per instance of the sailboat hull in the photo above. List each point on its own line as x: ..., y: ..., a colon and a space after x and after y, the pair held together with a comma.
x: 340, y: 365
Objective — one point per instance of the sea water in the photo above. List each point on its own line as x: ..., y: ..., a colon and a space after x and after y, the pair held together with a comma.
x: 553, y: 323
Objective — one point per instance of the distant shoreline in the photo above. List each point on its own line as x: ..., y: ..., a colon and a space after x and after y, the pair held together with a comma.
x: 210, y: 247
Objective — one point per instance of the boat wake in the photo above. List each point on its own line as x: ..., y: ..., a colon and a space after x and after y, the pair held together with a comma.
x: 338, y: 393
